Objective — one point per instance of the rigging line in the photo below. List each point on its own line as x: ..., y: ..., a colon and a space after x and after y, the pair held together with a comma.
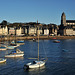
x: 31, y: 48
x: 38, y: 40
x: 45, y: 51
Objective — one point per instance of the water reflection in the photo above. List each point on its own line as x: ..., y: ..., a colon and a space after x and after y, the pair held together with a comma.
x: 35, y: 71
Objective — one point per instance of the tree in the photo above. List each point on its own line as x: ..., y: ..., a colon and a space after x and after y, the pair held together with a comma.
x: 4, y: 22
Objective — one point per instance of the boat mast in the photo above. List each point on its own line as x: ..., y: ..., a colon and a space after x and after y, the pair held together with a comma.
x: 38, y: 41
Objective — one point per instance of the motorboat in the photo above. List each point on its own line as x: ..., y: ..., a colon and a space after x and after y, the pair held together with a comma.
x: 14, y: 55
x: 21, y: 42
x: 34, y: 40
x: 3, y: 48
x: 56, y: 41
x: 2, y: 60
x: 54, y: 38
x: 14, y: 44
x: 10, y: 47
x: 17, y: 53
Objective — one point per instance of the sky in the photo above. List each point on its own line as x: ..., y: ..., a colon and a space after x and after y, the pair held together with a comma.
x: 45, y: 11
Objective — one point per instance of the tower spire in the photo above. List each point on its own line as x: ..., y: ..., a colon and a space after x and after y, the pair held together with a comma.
x: 37, y: 21
x: 63, y: 19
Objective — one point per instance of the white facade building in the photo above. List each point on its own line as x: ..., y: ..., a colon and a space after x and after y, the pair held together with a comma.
x: 46, y: 32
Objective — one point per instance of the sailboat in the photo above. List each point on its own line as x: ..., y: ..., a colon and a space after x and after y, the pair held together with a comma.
x: 35, y: 64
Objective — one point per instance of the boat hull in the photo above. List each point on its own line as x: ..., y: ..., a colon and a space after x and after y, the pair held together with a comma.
x: 1, y: 49
x: 10, y: 47
x: 14, y: 55
x: 37, y: 65
x: 2, y: 60
x: 15, y: 45
x: 56, y: 41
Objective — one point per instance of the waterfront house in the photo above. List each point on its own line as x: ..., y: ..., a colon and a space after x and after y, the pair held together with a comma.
x: 30, y: 28
x: 46, y: 32
x: 53, y: 29
x: 15, y: 29
x: 3, y: 30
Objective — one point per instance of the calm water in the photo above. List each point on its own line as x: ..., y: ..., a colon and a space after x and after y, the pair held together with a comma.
x: 61, y: 59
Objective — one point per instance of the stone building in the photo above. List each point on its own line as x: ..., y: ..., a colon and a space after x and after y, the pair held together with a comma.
x: 15, y: 29
x: 3, y: 30
x: 30, y: 28
x: 53, y: 29
x: 67, y: 27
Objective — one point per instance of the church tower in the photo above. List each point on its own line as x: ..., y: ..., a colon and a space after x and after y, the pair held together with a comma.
x: 63, y: 19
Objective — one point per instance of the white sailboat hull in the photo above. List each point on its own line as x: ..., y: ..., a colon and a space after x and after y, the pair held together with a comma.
x: 36, y: 65
x: 14, y: 55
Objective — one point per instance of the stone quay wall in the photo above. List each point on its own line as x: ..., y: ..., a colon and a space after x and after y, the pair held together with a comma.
x: 36, y: 37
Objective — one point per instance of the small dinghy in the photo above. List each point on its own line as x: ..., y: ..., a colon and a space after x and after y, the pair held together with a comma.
x: 2, y: 60
x: 56, y: 41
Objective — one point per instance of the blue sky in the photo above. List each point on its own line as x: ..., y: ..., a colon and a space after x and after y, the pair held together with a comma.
x: 45, y: 11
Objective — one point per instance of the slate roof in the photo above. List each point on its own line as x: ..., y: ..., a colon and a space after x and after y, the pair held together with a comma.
x: 70, y: 21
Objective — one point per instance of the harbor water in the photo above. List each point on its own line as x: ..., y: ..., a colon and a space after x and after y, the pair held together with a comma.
x: 60, y: 58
